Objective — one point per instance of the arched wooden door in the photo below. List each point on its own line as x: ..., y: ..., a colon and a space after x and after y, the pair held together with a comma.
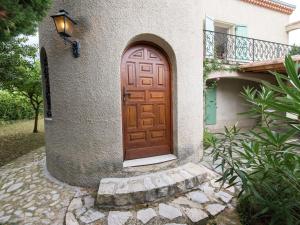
x: 146, y: 97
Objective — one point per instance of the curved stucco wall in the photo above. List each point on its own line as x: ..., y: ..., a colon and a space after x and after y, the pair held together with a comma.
x: 84, y: 137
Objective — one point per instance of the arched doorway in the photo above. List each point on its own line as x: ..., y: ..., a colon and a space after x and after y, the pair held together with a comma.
x: 146, y: 102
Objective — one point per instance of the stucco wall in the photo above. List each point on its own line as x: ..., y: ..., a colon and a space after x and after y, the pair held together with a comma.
x: 251, y: 76
x: 230, y: 103
x: 84, y: 137
x: 262, y: 23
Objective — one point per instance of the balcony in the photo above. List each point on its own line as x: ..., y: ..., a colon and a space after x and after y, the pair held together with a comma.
x: 232, y: 49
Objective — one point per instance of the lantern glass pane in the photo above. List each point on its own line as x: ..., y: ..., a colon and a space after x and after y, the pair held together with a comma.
x: 69, y: 26
x: 60, y: 24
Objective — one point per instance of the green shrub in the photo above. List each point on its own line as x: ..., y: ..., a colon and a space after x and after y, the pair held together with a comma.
x: 208, y: 138
x: 266, y: 166
x: 295, y: 50
x: 265, y: 163
x: 14, y: 107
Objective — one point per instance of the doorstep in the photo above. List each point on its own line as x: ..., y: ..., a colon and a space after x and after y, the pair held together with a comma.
x: 152, y: 187
x: 149, y: 160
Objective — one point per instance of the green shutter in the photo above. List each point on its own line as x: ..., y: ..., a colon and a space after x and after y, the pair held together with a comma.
x: 241, y: 31
x: 241, y: 43
x: 209, y: 37
x: 209, y: 24
x: 211, y: 106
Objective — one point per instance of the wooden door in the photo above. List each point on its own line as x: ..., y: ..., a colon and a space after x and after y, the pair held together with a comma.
x: 211, y: 106
x: 146, y: 97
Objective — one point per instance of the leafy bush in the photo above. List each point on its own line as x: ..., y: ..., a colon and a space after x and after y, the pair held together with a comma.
x: 208, y: 138
x: 295, y: 50
x: 265, y: 163
x: 20, y: 73
x: 214, y: 65
x: 14, y: 107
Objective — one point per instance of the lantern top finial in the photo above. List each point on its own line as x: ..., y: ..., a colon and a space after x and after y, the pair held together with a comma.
x: 64, y: 13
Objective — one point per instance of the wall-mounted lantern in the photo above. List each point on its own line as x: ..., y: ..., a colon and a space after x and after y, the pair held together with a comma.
x: 65, y: 26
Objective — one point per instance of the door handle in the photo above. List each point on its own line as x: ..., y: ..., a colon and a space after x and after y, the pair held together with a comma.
x: 125, y: 94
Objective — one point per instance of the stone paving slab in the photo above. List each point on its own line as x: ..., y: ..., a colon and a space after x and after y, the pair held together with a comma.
x: 128, y: 192
x: 28, y: 196
x: 194, y: 207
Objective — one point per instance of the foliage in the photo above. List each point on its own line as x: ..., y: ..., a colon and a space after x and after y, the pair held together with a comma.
x: 208, y: 138
x: 213, y: 65
x: 21, y: 17
x: 15, y: 55
x: 295, y: 50
x: 14, y: 107
x: 266, y: 163
x: 258, y: 108
x: 20, y: 72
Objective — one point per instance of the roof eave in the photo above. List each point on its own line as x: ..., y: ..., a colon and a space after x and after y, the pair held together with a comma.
x: 276, y: 5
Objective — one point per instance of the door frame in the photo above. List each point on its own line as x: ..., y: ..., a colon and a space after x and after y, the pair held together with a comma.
x: 161, y: 50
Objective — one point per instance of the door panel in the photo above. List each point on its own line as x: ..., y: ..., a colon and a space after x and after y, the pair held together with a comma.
x: 146, y: 97
x: 211, y: 106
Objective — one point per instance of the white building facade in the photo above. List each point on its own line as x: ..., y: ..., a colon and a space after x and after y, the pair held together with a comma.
x: 137, y: 88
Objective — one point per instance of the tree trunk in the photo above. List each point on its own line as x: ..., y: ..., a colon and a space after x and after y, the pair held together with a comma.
x: 36, y: 119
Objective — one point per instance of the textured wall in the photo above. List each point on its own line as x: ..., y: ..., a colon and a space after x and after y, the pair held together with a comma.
x: 230, y: 103
x: 262, y: 23
x: 84, y: 137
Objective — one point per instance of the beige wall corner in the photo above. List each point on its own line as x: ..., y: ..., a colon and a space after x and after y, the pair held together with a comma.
x: 293, y: 26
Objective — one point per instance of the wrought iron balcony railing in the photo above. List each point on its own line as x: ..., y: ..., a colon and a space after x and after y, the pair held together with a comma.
x: 237, y: 49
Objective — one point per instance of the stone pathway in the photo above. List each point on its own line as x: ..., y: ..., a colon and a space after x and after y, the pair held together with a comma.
x: 28, y: 195
x: 199, y: 206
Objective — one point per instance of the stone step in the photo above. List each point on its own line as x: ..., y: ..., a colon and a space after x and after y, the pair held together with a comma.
x: 131, y: 191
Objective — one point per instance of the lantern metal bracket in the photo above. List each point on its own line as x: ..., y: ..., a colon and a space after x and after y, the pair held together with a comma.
x: 65, y: 28
x: 75, y: 46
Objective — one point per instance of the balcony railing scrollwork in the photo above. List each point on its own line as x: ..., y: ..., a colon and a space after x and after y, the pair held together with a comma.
x: 237, y: 49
